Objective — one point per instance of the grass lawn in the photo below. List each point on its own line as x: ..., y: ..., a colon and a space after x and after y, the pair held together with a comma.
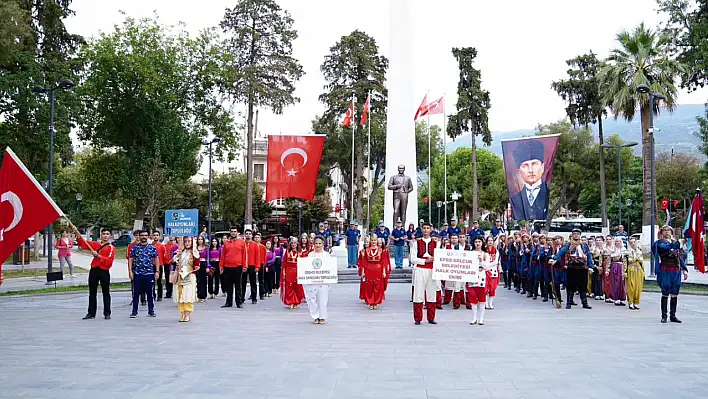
x: 121, y: 252
x: 34, y: 272
x: 76, y: 288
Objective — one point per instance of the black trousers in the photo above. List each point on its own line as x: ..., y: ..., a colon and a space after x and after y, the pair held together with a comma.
x: 597, y: 283
x: 202, y: 281
x: 214, y: 280
x: 96, y: 276
x: 261, y: 282
x: 232, y: 280
x: 270, y: 279
x: 164, y: 272
x: 577, y: 281
x: 251, y: 271
x: 277, y: 269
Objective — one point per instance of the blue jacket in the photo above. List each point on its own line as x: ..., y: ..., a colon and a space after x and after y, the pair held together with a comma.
x: 565, y: 248
x: 661, y: 247
x: 524, y: 251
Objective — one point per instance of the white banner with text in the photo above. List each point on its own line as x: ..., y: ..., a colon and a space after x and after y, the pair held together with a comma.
x: 456, y: 265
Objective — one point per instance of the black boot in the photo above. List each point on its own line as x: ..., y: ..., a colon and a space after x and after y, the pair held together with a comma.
x: 672, y: 315
x: 569, y: 294
x: 664, y: 303
x: 585, y: 304
x: 535, y: 290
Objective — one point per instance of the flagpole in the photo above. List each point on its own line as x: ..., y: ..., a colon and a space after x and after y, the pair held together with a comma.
x: 368, y: 165
x: 430, y: 176
x: 445, y: 154
x: 351, y: 204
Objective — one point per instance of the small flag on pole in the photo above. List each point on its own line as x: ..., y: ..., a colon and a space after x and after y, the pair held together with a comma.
x: 365, y: 113
x: 422, y: 109
x: 347, y: 121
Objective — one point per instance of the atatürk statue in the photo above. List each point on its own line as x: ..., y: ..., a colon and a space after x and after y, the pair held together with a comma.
x: 401, y: 185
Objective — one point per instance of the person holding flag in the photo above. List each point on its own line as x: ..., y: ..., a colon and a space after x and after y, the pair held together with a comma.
x: 669, y: 268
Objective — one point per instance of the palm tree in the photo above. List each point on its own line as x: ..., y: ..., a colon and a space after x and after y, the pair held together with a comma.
x: 641, y: 58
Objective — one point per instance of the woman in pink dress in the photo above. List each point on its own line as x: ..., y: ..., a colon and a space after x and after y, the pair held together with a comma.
x: 64, y: 245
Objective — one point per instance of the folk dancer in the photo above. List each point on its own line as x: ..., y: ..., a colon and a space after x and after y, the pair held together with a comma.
x: 578, y: 260
x: 424, y: 287
x: 503, y: 250
x: 634, y: 274
x: 231, y: 268
x: 514, y: 259
x: 477, y: 291
x: 187, y: 264
x: 606, y: 264
x: 524, y: 254
x: 103, y: 254
x: 597, y: 261
x: 262, y: 259
x: 213, y: 276
x: 362, y: 253
x: 535, y: 274
x: 591, y: 272
x: 617, y: 270
x: 251, y: 260
x: 548, y: 278
x: 670, y: 266
x: 494, y: 272
x: 291, y: 293
x: 387, y: 262
x: 373, y: 274
x: 318, y: 294
x: 456, y: 289
x: 559, y: 276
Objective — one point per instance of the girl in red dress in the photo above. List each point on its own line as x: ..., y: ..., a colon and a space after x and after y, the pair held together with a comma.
x: 360, y: 268
x: 373, y: 272
x: 493, y: 273
x: 291, y: 293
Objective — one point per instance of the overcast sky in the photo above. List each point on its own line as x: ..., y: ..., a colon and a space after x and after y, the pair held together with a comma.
x: 522, y: 45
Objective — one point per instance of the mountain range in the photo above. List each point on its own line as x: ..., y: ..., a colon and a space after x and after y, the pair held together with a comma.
x: 672, y: 130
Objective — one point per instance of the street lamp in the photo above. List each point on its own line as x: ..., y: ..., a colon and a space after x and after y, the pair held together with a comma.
x: 619, y: 171
x: 209, y: 143
x: 79, y: 199
x: 439, y: 204
x: 65, y: 84
x: 644, y: 89
x: 455, y: 196
x: 629, y: 221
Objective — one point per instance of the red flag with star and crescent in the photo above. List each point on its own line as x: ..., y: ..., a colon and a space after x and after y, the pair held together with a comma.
x: 422, y: 108
x: 293, y: 165
x: 696, y: 231
x: 25, y: 208
x: 347, y: 118
x: 437, y: 106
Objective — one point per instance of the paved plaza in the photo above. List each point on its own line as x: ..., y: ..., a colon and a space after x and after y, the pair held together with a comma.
x: 526, y: 349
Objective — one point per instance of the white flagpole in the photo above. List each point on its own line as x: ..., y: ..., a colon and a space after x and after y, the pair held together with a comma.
x: 430, y: 176
x: 368, y: 165
x: 445, y: 152
x: 353, y: 124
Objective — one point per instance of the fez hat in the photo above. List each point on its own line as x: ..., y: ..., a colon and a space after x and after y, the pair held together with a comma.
x: 528, y: 150
x: 577, y: 231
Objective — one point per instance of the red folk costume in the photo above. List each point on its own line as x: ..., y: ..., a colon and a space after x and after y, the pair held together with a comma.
x: 494, y: 273
x: 291, y: 293
x: 373, y: 268
x: 424, y: 287
x: 459, y: 287
x: 360, y: 269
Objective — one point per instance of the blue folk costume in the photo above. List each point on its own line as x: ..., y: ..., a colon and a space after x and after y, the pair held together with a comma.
x: 668, y: 266
x: 503, y: 250
x: 539, y: 257
x: 514, y: 261
x: 578, y: 259
x: 524, y: 253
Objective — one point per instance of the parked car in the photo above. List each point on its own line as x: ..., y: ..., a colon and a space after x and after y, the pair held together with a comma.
x: 122, y: 241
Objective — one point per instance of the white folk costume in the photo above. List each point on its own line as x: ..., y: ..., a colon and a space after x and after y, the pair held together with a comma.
x: 493, y: 275
x: 477, y: 292
x: 317, y: 295
x: 424, y: 287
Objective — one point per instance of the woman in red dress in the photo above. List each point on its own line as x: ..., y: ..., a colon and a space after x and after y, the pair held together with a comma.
x: 360, y: 268
x: 291, y: 293
x: 386, y: 258
x: 373, y: 272
x: 493, y: 273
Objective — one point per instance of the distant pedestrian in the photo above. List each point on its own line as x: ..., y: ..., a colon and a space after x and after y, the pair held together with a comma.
x: 64, y: 245
x: 103, y: 254
x: 143, y: 266
x: 186, y: 263
x: 352, y: 235
x: 398, y: 236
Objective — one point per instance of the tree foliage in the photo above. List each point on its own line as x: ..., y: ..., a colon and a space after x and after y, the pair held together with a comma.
x: 229, y: 199
x: 150, y: 94
x: 353, y: 65
x: 313, y: 211
x: 421, y: 144
x: 687, y: 25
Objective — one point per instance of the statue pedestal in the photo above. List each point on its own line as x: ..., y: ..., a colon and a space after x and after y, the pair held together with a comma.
x: 400, y: 133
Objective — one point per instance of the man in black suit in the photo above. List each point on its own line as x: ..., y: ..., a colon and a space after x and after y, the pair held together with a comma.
x: 531, y: 203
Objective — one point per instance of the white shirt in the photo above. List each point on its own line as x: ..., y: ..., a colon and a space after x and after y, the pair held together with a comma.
x: 534, y: 189
x: 414, y: 254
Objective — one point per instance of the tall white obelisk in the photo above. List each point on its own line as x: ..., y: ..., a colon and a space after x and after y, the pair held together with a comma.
x: 400, y: 133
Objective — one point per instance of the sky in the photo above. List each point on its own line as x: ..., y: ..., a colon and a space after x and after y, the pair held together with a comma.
x: 522, y: 46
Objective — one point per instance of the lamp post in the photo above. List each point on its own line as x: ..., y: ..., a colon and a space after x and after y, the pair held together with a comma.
x: 209, y: 143
x: 455, y: 196
x: 65, y: 84
x: 79, y: 199
x: 629, y: 220
x: 644, y: 89
x: 439, y: 204
x: 619, y: 172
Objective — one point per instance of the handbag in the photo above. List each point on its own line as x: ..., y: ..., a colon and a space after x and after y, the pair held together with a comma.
x: 174, y: 276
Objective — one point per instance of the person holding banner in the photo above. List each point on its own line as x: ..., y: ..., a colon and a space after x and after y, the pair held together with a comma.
x: 578, y: 260
x: 373, y: 274
x: 493, y: 272
x: 477, y: 292
x: 318, y: 294
x: 424, y: 287
x: 670, y: 267
x: 291, y: 293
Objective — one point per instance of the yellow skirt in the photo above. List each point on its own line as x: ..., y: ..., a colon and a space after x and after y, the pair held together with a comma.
x: 635, y: 283
x: 183, y: 307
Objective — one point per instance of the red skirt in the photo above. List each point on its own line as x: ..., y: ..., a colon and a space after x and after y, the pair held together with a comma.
x: 291, y: 293
x: 374, y: 287
x: 492, y: 284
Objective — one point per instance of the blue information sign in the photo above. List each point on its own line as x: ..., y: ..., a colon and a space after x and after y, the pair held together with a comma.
x: 182, y: 222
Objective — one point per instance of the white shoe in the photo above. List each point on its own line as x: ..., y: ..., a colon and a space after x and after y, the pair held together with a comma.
x: 481, y: 322
x: 491, y: 307
x: 473, y: 322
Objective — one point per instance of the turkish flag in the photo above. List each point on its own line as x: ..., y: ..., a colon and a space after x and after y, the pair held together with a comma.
x: 365, y: 113
x: 696, y: 230
x: 664, y: 205
x: 293, y: 165
x: 422, y: 109
x: 347, y: 121
x: 25, y: 208
x: 437, y: 106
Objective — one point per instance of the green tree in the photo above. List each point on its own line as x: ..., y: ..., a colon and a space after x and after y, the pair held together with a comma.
x: 36, y: 49
x: 150, y: 94
x: 687, y: 24
x: 473, y: 103
x: 421, y: 144
x: 229, y: 199
x: 575, y: 163
x: 313, y: 211
x: 581, y: 92
x: 677, y: 176
x: 353, y: 65
x: 641, y: 58
x: 260, y: 70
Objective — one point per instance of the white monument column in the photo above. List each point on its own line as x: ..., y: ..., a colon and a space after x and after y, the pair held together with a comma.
x: 400, y: 133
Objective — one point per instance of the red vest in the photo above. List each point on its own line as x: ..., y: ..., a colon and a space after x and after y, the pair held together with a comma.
x: 422, y: 252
